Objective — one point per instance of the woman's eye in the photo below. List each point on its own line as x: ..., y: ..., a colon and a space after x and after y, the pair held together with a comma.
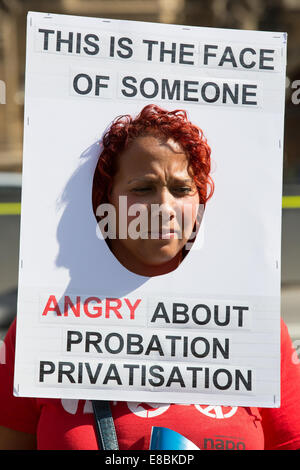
x: 141, y: 190
x: 183, y: 190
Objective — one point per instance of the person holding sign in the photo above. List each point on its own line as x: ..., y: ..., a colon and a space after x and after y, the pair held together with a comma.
x: 161, y: 158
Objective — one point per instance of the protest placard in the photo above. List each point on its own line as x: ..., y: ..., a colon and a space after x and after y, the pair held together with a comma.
x: 207, y: 332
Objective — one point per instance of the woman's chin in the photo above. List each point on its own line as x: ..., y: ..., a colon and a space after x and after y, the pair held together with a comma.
x: 148, y: 258
x: 161, y: 256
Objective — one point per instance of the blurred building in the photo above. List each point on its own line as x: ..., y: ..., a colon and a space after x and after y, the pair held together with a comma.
x: 270, y: 15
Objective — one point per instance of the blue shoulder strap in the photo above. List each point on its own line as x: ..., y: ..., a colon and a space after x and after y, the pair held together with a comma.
x: 106, y: 433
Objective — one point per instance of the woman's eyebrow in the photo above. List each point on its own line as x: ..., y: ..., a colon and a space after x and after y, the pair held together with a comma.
x: 182, y: 180
x: 176, y: 179
x: 143, y: 179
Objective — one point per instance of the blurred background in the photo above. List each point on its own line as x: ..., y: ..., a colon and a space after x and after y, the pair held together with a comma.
x: 268, y: 15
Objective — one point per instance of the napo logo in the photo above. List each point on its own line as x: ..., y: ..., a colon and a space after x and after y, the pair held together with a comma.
x: 147, y: 410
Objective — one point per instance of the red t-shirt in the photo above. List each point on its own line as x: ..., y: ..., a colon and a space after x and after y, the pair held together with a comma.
x: 69, y: 424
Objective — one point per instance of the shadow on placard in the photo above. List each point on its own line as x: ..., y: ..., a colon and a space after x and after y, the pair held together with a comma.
x: 92, y: 267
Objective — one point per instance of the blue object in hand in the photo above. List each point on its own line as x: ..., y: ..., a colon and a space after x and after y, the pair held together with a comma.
x: 166, y: 439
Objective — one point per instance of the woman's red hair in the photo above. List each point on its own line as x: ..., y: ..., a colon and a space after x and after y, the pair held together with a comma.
x: 155, y: 121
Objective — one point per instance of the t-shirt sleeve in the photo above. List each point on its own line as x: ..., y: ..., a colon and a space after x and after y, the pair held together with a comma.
x: 282, y: 425
x: 18, y: 413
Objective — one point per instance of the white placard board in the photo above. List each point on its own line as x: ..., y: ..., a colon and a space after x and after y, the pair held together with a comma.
x: 208, y: 332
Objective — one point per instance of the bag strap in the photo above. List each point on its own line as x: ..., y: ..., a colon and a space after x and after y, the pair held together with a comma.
x: 106, y: 433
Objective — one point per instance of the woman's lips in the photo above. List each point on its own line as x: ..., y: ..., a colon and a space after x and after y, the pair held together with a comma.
x: 164, y: 234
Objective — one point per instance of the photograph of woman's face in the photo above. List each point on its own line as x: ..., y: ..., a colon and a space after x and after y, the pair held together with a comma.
x: 155, y: 171
x: 159, y: 162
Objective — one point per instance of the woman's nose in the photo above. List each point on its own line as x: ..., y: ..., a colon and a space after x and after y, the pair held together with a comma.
x: 167, y: 202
